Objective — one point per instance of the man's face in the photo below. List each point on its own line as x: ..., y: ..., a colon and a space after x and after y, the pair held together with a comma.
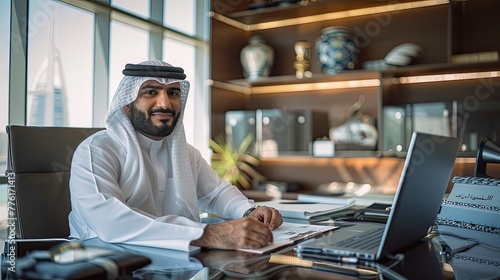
x: 156, y: 109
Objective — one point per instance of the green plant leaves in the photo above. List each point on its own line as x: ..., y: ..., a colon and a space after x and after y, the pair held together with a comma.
x: 235, y: 166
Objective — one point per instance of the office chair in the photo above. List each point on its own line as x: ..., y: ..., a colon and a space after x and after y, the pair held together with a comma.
x: 38, y: 167
x: 38, y: 164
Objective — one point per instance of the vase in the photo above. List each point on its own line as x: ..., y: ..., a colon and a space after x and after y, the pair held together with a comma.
x: 336, y: 50
x: 303, y: 52
x: 256, y: 58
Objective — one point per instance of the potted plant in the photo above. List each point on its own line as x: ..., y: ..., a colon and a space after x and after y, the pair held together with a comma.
x: 235, y: 165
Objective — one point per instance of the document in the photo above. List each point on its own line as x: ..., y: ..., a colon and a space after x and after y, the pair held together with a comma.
x: 325, y: 199
x: 303, y: 209
x: 290, y: 233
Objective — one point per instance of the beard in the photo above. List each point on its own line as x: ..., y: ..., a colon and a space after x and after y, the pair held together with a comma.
x: 144, y: 123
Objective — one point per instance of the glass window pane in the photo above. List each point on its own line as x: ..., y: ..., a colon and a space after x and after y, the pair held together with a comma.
x: 137, y: 7
x: 128, y: 45
x: 4, y: 78
x: 183, y: 55
x: 180, y: 15
x: 4, y: 108
x: 60, y: 65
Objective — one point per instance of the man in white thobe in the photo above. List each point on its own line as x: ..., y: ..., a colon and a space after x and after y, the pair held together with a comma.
x: 139, y: 182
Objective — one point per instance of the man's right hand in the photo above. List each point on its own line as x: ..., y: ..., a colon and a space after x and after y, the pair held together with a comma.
x: 244, y: 233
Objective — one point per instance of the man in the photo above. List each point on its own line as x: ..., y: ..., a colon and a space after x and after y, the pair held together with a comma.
x: 139, y: 181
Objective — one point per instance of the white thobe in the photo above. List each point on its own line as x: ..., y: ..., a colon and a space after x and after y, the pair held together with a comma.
x: 106, y: 201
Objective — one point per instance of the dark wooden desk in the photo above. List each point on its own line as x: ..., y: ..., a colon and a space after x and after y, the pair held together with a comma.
x: 420, y: 262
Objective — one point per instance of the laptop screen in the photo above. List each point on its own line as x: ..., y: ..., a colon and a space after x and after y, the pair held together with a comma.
x: 424, y: 179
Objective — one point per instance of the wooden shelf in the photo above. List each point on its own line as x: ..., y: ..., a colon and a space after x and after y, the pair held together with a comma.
x: 338, y: 155
x: 294, y: 11
x: 347, y: 158
x: 358, y: 78
x: 317, y: 78
x: 443, y: 30
x: 441, y: 68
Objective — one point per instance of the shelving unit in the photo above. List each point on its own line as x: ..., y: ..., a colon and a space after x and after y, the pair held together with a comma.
x: 443, y: 29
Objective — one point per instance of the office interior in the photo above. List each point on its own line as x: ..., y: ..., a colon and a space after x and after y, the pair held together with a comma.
x: 72, y: 52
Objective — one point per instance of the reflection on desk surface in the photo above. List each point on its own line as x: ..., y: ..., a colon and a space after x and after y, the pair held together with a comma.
x: 420, y: 262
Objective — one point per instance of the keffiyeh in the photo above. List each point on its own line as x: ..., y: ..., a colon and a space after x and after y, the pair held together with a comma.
x: 118, y: 122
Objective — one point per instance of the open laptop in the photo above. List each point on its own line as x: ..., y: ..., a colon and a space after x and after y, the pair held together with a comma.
x: 425, y: 176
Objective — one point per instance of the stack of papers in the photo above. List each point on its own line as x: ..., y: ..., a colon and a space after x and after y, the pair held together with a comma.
x: 290, y: 233
x: 298, y: 209
x: 325, y: 199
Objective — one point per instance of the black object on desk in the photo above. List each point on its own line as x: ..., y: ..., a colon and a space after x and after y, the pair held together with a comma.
x: 73, y: 260
x: 376, y: 212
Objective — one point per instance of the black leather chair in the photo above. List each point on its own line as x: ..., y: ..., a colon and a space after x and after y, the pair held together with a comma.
x: 39, y: 161
x: 38, y: 164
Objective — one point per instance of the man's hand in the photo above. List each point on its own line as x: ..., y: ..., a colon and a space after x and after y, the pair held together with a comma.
x: 242, y: 233
x: 268, y: 216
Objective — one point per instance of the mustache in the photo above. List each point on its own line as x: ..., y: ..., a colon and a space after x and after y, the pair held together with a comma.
x: 164, y: 111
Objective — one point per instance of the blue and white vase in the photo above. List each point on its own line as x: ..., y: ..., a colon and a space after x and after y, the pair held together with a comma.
x: 257, y: 58
x: 336, y: 50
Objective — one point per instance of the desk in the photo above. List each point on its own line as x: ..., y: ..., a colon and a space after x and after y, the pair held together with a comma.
x: 420, y: 262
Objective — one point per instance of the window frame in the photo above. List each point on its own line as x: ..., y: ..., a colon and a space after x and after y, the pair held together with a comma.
x: 104, y: 14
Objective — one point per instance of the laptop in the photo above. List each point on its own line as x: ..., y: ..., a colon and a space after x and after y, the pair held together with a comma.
x: 422, y: 186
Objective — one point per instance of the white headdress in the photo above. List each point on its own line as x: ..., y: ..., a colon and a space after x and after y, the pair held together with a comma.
x: 118, y: 122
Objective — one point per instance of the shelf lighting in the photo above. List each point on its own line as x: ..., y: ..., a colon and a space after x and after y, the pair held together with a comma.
x: 297, y: 87
x: 315, y: 86
x: 327, y: 16
x: 230, y: 87
x: 446, y: 77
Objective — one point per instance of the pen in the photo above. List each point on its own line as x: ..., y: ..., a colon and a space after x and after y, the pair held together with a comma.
x: 324, y: 266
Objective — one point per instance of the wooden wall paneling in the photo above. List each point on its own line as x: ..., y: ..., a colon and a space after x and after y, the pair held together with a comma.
x: 225, y: 45
x: 476, y: 26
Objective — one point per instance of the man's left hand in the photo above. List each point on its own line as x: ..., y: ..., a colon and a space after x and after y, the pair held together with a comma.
x: 268, y: 216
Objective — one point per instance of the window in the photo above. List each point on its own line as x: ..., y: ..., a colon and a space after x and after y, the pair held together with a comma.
x: 137, y: 7
x: 4, y: 79
x: 60, y: 65
x: 122, y: 35
x: 77, y: 50
x: 180, y: 15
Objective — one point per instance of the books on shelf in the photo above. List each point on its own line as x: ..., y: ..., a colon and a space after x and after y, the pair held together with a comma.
x: 305, y: 209
x: 290, y: 233
x: 475, y: 57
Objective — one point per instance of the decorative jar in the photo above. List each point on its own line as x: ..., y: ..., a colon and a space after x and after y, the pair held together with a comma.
x: 336, y: 50
x: 257, y: 58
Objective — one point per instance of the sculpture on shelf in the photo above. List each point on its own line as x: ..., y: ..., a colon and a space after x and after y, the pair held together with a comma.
x: 336, y: 50
x: 303, y: 51
x: 305, y: 2
x: 401, y: 55
x: 358, y: 130
x: 257, y: 58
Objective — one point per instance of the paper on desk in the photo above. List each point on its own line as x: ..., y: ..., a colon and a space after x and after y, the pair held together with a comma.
x: 305, y: 210
x: 289, y: 233
x: 337, y: 200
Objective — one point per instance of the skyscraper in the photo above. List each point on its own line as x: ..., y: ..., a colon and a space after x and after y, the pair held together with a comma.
x: 48, y: 96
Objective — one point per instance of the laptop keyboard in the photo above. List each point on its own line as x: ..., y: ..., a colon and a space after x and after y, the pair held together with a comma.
x: 365, y: 241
